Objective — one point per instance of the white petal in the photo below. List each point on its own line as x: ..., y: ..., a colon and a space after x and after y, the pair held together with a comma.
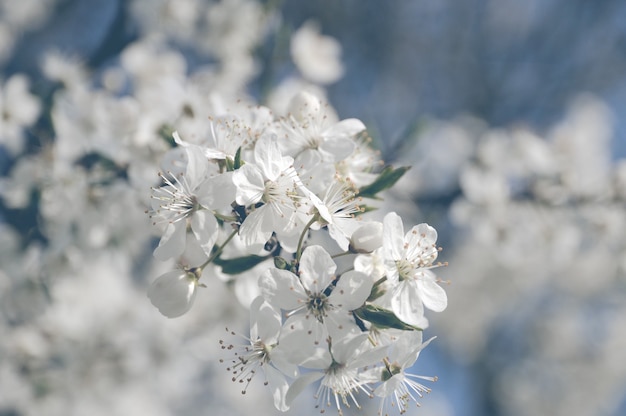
x: 308, y: 159
x: 369, y: 357
x: 257, y: 228
x: 406, y: 303
x: 250, y: 184
x: 317, y: 269
x: 345, y: 128
x: 341, y: 324
x: 433, y: 295
x: 218, y: 191
x: 390, y: 386
x: 404, y: 345
x: 303, y: 340
x: 411, y: 357
x: 172, y: 243
x: 265, y: 321
x: 280, y: 361
x: 269, y: 158
x: 393, y: 237
x: 351, y: 291
x: 279, y: 385
x: 205, y: 229
x: 339, y: 235
x: 357, y: 351
x: 197, y: 166
x: 173, y: 293
x: 337, y: 148
x: 282, y: 289
x: 300, y: 384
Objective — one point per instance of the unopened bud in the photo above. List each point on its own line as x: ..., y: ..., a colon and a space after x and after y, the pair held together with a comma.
x: 280, y: 263
x: 303, y: 105
x: 174, y: 292
x: 367, y: 238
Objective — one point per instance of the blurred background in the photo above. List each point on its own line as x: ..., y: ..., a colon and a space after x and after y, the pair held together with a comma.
x: 512, y: 115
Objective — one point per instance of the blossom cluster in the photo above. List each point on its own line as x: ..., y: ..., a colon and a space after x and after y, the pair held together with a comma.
x: 242, y: 196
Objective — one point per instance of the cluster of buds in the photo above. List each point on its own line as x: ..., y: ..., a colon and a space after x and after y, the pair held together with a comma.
x: 257, y: 187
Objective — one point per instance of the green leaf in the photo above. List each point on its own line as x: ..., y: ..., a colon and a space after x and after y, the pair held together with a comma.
x: 385, y: 180
x: 382, y: 318
x: 239, y: 264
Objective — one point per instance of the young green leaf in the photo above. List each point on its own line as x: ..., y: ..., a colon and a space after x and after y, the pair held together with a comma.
x: 385, y: 180
x: 382, y: 318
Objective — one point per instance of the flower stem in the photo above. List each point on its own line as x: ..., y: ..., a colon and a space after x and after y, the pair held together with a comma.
x: 218, y: 251
x: 301, y: 241
x: 223, y: 217
x: 345, y: 253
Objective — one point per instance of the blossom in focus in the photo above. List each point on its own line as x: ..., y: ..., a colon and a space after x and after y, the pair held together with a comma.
x: 399, y: 386
x: 273, y: 181
x: 316, y: 305
x: 187, y: 199
x: 313, y: 133
x: 338, y: 366
x: 337, y: 212
x: 408, y: 260
x: 263, y: 352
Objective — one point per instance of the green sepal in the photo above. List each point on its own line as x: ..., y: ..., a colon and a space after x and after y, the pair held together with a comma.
x: 239, y: 264
x: 385, y: 180
x: 166, y: 132
x: 234, y: 164
x: 281, y: 264
x: 382, y: 318
x: 377, y: 291
x: 230, y: 165
x: 238, y: 162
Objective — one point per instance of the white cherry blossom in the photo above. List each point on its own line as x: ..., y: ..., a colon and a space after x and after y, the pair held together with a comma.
x: 262, y: 352
x: 270, y: 180
x: 408, y: 262
x: 398, y: 386
x: 338, y: 366
x: 316, y: 305
x: 187, y: 199
x: 313, y: 134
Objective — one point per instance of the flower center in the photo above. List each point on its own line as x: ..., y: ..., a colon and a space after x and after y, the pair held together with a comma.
x: 258, y: 351
x: 176, y: 199
x: 313, y: 142
x: 406, y: 270
x: 271, y: 192
x: 318, y: 305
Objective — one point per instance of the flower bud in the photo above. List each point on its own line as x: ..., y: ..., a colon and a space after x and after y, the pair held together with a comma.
x: 173, y: 293
x: 280, y: 263
x: 367, y: 238
x: 304, y: 105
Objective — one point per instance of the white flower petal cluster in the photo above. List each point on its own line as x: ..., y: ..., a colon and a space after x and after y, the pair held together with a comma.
x: 244, y: 188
